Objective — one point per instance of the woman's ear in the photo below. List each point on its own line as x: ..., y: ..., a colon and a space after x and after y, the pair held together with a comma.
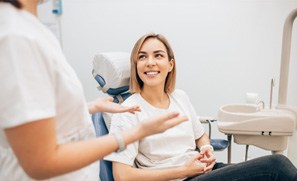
x: 171, y: 65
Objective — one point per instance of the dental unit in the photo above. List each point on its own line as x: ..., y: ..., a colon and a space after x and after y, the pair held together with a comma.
x: 272, y: 129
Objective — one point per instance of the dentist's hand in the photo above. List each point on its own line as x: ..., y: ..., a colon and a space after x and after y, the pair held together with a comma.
x: 161, y: 123
x: 106, y: 105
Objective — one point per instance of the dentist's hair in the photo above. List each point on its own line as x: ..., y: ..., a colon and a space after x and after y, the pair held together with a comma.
x: 136, y: 83
x: 15, y: 3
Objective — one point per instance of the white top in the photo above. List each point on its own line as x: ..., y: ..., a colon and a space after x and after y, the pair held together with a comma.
x: 37, y: 83
x: 166, y: 150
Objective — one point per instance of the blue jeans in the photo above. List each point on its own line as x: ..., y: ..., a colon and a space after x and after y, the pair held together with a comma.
x: 272, y: 167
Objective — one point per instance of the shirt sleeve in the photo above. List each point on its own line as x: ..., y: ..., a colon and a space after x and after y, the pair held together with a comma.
x: 197, y: 126
x: 27, y: 85
x: 121, y: 122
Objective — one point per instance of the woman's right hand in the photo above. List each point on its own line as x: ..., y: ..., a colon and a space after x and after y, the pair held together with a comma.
x: 194, y: 166
x: 161, y: 123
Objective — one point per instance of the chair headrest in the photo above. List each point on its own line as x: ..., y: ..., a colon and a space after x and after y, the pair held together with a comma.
x: 112, y: 72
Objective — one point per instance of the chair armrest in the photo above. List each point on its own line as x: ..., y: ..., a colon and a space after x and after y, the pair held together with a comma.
x: 218, y: 144
x: 207, y: 120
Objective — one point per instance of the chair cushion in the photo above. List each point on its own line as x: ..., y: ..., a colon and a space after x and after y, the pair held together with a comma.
x: 219, y: 144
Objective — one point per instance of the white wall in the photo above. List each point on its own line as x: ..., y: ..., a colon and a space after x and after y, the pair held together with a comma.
x: 223, y: 48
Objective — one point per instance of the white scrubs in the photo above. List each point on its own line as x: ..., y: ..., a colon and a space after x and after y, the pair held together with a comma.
x: 37, y: 83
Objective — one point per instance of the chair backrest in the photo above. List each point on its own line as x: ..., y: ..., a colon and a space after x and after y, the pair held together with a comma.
x: 112, y: 73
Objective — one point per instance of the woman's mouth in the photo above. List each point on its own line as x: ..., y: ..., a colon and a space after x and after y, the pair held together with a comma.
x: 152, y: 72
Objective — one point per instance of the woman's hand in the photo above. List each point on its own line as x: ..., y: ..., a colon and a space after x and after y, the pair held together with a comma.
x: 106, y: 105
x: 208, y: 158
x: 194, y: 166
x: 161, y: 123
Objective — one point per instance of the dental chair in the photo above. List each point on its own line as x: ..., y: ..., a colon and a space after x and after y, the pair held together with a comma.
x: 112, y: 73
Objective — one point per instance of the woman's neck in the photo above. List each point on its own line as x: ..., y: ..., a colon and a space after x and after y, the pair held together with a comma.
x: 156, y: 97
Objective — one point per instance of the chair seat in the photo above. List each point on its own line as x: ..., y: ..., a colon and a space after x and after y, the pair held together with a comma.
x: 219, y: 144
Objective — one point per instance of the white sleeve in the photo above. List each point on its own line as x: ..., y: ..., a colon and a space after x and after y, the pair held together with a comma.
x: 197, y: 126
x: 121, y: 122
x: 27, y: 86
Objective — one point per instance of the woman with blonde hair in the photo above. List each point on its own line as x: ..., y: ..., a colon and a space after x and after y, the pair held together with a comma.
x: 172, y: 155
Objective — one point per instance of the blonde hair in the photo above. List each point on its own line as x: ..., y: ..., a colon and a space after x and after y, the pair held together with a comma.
x: 136, y: 83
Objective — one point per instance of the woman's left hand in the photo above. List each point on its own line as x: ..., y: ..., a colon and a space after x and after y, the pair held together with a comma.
x: 106, y: 105
x: 208, y: 158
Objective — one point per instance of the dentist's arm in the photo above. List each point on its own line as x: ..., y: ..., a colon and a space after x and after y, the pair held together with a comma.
x: 41, y: 157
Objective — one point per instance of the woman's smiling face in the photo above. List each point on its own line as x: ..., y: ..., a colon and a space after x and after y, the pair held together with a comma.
x: 153, y: 63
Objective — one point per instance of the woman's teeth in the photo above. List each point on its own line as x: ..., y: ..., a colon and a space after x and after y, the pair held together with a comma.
x: 152, y: 73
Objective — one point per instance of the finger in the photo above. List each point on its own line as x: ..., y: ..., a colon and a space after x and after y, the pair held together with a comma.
x: 206, y: 151
x: 133, y: 109
x: 209, y: 167
x: 175, y: 121
x: 197, y: 156
x: 211, y: 157
x: 167, y: 121
x: 199, y: 166
x: 136, y: 108
x: 109, y: 98
x: 207, y: 171
x: 167, y: 116
x: 203, y: 151
x: 200, y: 156
x: 208, y: 159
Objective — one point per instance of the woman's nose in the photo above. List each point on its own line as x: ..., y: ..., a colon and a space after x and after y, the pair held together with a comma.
x: 150, y: 61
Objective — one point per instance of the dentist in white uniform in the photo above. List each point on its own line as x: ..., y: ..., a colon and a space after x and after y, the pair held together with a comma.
x: 45, y: 127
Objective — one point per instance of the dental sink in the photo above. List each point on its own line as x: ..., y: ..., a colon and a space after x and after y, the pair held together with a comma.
x: 250, y: 125
x: 237, y: 112
x: 241, y: 108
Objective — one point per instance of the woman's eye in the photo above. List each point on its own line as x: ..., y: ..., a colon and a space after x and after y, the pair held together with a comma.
x: 141, y: 57
x: 159, y: 55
